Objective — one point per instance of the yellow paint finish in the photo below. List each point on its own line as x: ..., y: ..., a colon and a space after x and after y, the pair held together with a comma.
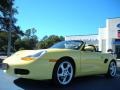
x: 52, y: 60
x: 86, y: 63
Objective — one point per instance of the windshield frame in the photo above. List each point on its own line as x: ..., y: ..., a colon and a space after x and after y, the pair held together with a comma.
x: 56, y: 45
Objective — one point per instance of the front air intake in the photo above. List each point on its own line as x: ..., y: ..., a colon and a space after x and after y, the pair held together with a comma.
x: 21, y: 71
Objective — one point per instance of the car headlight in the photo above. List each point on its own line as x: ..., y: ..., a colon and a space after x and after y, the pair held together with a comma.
x: 34, y: 56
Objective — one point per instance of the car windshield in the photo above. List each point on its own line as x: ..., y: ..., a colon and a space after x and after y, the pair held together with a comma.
x: 73, y: 44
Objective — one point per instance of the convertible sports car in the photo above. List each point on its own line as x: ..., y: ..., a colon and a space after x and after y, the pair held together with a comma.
x: 61, y: 63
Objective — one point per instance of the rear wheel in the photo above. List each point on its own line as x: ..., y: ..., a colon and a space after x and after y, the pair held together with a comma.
x: 63, y: 73
x: 112, y: 69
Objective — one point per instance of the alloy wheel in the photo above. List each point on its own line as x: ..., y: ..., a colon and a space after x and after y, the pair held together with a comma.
x: 112, y: 69
x: 65, y: 72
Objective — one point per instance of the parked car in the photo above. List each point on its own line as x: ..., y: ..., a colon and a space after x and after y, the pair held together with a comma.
x: 61, y: 63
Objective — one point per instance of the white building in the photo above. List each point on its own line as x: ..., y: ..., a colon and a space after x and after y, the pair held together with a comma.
x: 107, y: 37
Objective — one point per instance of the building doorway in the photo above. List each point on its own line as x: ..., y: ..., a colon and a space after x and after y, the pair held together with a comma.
x: 116, y: 42
x: 117, y: 51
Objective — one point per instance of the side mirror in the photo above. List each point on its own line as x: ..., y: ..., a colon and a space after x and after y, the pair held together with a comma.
x: 89, y: 48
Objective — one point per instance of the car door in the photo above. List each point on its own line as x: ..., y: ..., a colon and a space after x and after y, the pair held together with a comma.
x: 91, y: 62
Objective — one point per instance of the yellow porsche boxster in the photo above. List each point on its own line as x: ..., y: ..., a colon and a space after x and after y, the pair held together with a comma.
x: 61, y: 62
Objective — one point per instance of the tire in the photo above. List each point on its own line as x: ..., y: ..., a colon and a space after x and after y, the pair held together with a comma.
x: 112, y: 69
x: 63, y: 72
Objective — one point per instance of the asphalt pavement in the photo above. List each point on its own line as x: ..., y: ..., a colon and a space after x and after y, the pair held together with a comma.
x: 97, y: 82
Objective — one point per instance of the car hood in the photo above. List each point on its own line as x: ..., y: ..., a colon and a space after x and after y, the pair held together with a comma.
x: 16, y: 57
x: 24, y: 53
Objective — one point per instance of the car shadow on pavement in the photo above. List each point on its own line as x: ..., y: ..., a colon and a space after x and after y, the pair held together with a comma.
x: 98, y: 82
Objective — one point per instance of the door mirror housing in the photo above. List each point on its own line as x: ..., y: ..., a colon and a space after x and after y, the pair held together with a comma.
x: 89, y: 48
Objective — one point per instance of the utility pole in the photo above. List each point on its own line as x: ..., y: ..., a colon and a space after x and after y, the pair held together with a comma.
x: 9, y: 29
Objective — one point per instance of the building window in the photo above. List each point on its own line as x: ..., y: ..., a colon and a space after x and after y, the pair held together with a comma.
x: 118, y: 34
x: 118, y: 25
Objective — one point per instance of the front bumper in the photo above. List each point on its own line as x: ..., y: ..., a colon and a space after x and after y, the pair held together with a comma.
x: 4, y: 66
x: 37, y: 70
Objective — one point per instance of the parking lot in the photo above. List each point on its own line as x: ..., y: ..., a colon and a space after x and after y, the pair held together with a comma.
x: 97, y: 82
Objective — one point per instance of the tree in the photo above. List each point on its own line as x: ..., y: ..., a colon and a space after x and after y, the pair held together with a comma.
x: 7, y: 20
x: 29, y: 41
x: 45, y: 37
x: 30, y: 33
x: 47, y: 42
x: 7, y: 11
x: 4, y: 39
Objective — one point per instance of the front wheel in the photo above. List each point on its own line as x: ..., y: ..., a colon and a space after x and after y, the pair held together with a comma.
x: 63, y: 73
x: 112, y: 69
